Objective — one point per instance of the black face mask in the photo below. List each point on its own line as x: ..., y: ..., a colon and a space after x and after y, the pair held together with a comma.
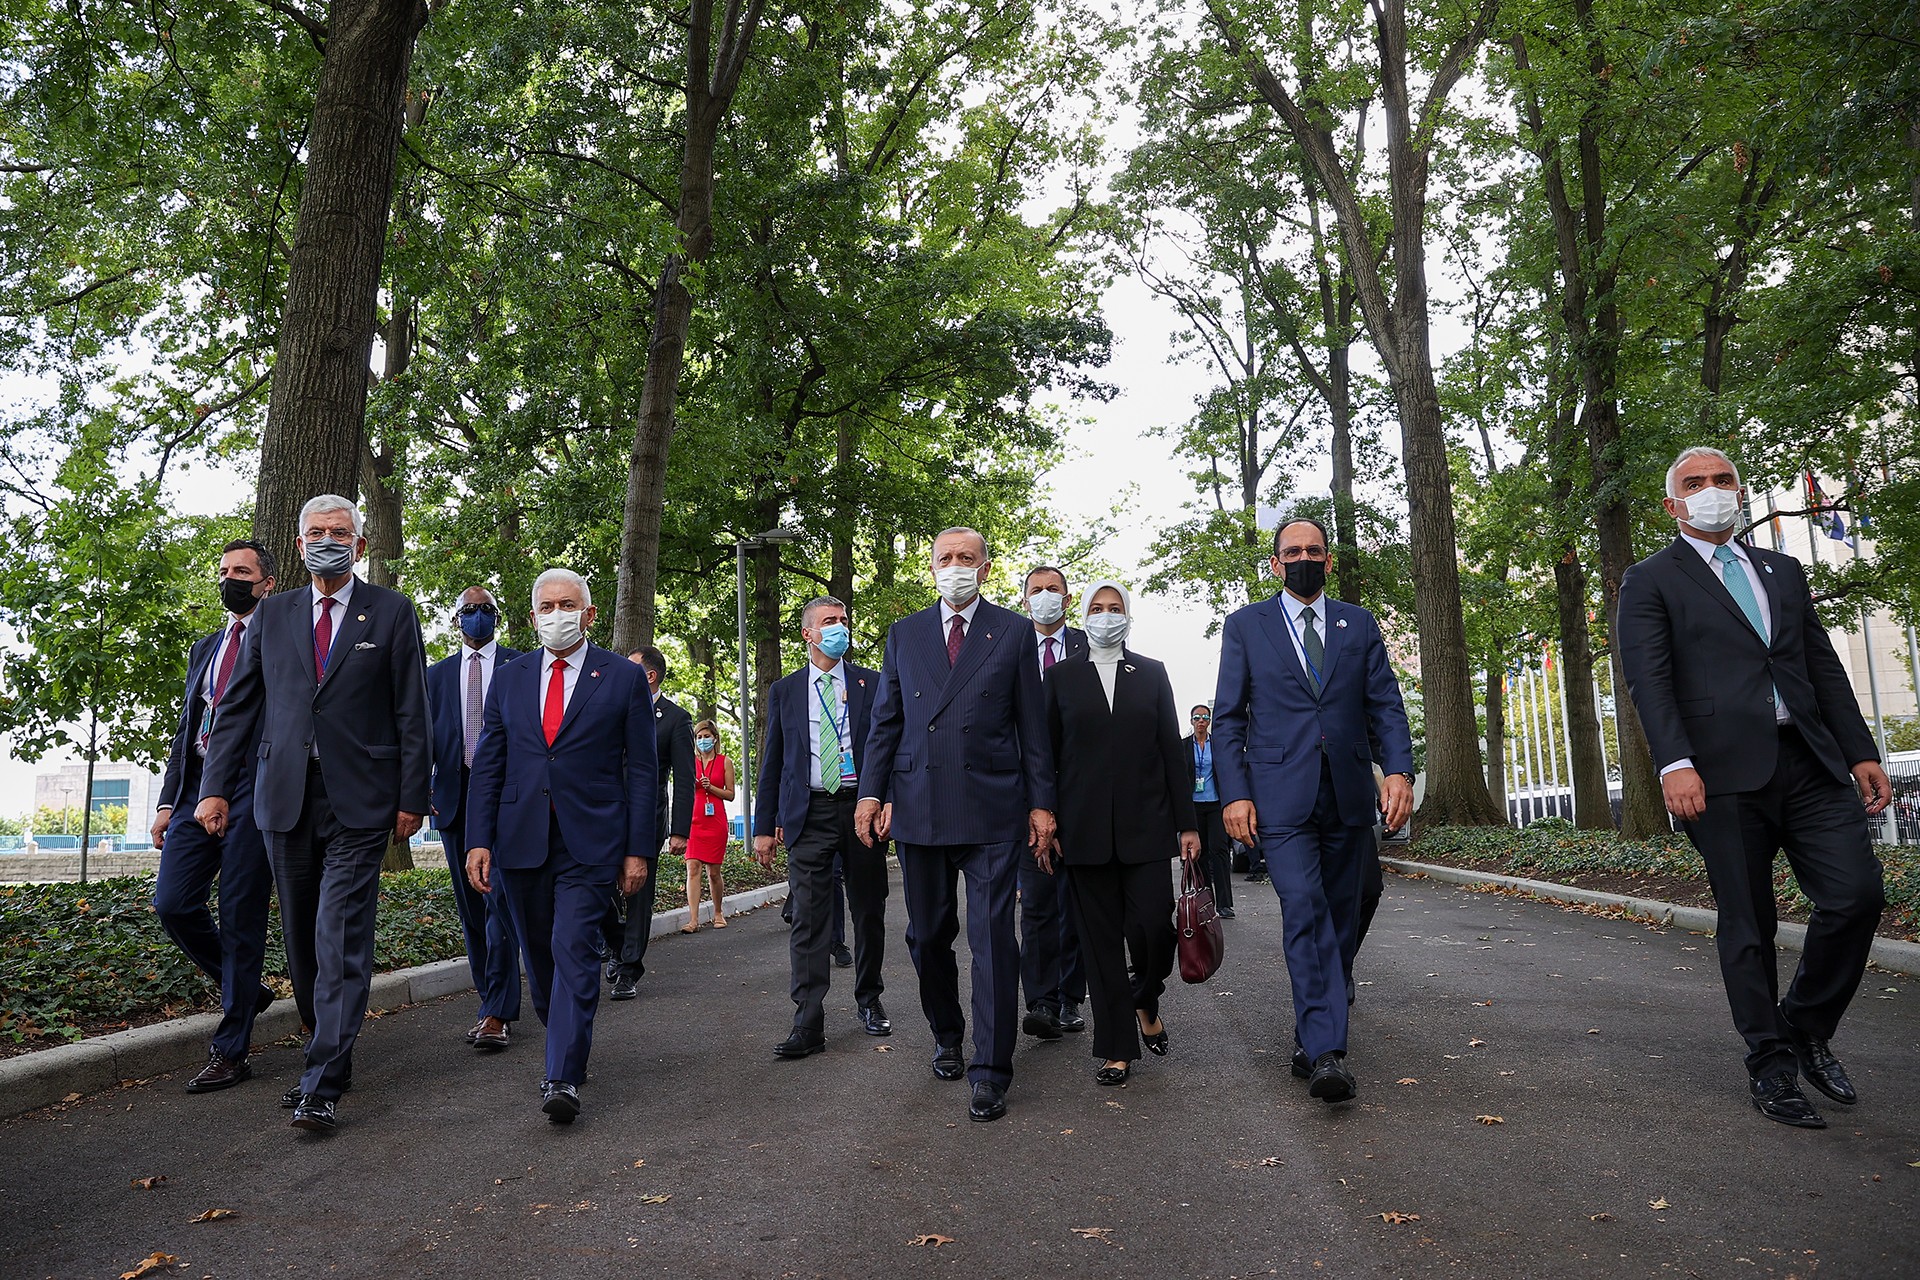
x: 1306, y: 578
x: 237, y: 595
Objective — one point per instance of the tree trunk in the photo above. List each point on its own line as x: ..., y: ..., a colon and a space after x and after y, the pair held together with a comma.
x: 846, y: 514
x: 710, y: 85
x: 701, y: 649
x: 1592, y: 809
x: 763, y: 616
x: 317, y: 405
x: 385, y: 512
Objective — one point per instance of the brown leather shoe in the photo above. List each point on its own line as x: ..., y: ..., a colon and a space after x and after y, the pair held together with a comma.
x: 219, y: 1073
x: 490, y: 1036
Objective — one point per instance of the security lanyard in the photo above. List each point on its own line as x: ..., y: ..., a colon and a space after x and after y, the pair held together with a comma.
x: 1294, y: 627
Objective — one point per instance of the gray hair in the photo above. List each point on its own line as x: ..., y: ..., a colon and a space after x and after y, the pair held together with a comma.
x: 562, y: 575
x: 1698, y: 451
x: 329, y: 502
x: 808, y: 609
x: 981, y: 538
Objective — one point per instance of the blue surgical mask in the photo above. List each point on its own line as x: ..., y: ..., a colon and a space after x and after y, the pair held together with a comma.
x: 703, y: 744
x: 479, y: 625
x: 835, y: 639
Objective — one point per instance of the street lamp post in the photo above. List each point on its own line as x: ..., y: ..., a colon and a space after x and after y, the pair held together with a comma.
x: 770, y: 538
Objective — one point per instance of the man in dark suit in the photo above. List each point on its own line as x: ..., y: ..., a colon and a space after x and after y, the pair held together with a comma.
x: 457, y: 694
x: 817, y: 725
x: 959, y: 768
x: 232, y: 953
x: 1305, y: 689
x: 1214, y: 858
x: 332, y: 684
x: 561, y: 810
x: 1760, y: 745
x: 1051, y: 973
x: 628, y: 923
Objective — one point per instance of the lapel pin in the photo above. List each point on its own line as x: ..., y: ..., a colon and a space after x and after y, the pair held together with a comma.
x: 1341, y: 623
x: 594, y: 674
x: 361, y: 618
x: 1128, y: 665
x: 1767, y: 567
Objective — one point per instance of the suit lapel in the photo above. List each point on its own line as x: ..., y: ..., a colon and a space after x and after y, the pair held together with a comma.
x: 594, y: 661
x: 1771, y: 594
x: 1694, y: 567
x: 982, y: 639
x: 1332, y: 634
x: 1273, y: 621
x: 353, y: 624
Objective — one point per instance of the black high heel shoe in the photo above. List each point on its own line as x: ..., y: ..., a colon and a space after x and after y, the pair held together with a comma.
x: 1113, y: 1075
x: 1156, y: 1042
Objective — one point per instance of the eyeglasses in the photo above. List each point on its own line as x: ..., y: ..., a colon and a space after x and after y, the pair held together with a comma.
x: 1201, y: 719
x: 467, y: 610
x: 339, y: 533
x: 1308, y: 553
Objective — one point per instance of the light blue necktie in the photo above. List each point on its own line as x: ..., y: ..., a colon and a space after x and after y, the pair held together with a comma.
x: 1735, y: 576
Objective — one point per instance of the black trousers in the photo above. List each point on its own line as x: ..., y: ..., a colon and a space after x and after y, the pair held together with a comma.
x: 328, y: 877
x: 1120, y: 909
x: 627, y: 925
x: 1823, y: 828
x: 1216, y: 853
x: 1051, y: 971
x: 827, y: 837
x: 1372, y: 885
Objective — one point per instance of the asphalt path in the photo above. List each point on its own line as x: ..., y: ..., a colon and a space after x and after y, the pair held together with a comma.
x: 1542, y: 1093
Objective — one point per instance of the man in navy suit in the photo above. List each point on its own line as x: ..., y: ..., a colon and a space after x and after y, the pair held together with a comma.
x: 1305, y: 690
x: 817, y: 726
x: 457, y: 692
x: 1761, y: 746
x: 561, y: 811
x: 233, y: 953
x: 959, y: 767
x: 331, y: 683
x: 1051, y: 975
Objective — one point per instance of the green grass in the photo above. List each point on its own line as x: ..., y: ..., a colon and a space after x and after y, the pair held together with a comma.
x: 78, y: 958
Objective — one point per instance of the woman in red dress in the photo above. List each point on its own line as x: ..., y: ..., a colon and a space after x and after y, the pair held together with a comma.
x: 707, y: 837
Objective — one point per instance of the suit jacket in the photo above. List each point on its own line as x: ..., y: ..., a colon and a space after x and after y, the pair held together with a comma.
x: 960, y: 752
x: 673, y: 733
x: 786, y: 762
x: 1702, y: 678
x: 447, y: 698
x: 1193, y: 768
x: 369, y: 716
x: 1072, y: 639
x: 599, y: 780
x: 181, y: 782
x: 1270, y: 730
x: 1122, y: 792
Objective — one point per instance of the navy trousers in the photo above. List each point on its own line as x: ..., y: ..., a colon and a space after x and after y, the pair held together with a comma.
x: 1317, y: 870
x: 233, y: 951
x: 1051, y: 970
x: 557, y: 908
x: 328, y: 876
x: 930, y: 874
x: 493, y: 954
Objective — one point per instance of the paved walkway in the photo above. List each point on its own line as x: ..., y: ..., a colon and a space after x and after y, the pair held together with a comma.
x: 1624, y: 1145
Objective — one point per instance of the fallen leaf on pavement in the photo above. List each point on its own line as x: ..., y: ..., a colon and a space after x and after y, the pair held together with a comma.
x: 1475, y: 1044
x: 1659, y: 1204
x: 72, y: 1097
x: 883, y: 1048
x: 1271, y: 1162
x: 148, y: 1184
x: 1398, y: 1219
x: 930, y: 1238
x: 211, y: 1215
x: 1593, y: 1031
x: 1483, y: 1004
x: 660, y: 1199
x: 1065, y: 1132
x: 1102, y: 1234
x: 1406, y: 1080
x: 636, y: 1164
x: 1491, y: 1119
x: 1599, y: 1217
x: 148, y: 1265
x: 1913, y: 1164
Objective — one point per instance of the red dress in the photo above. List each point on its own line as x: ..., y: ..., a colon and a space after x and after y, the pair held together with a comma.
x: 707, y: 837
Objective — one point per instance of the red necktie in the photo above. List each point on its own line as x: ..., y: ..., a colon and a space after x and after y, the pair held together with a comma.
x: 227, y: 660
x: 1047, y: 659
x: 556, y: 709
x: 323, y: 637
x: 956, y: 635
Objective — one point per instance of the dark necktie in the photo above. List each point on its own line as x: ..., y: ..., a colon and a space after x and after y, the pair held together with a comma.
x: 956, y: 636
x: 1047, y: 659
x: 323, y: 637
x: 556, y: 708
x: 224, y: 674
x: 476, y: 709
x: 1311, y: 642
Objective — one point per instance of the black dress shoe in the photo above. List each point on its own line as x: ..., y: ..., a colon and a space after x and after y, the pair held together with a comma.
x: 1070, y: 1019
x: 219, y: 1073
x: 264, y: 1000
x: 1350, y: 990
x: 1331, y: 1081
x: 1042, y: 1022
x: 1778, y: 1097
x: 1817, y: 1064
x: 989, y: 1102
x: 315, y: 1115
x: 1225, y: 913
x: 1301, y: 1066
x: 291, y: 1098
x: 623, y: 989
x: 800, y: 1044
x: 1258, y: 877
x: 1113, y: 1075
x: 560, y: 1100
x: 1157, y: 1042
x: 613, y: 971
x: 842, y: 958
x: 947, y: 1062
x: 875, y: 1021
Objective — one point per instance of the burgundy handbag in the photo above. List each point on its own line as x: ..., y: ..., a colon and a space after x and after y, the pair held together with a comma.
x: 1201, y: 941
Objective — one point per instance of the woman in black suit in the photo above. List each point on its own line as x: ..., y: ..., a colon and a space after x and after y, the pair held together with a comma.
x: 1123, y: 792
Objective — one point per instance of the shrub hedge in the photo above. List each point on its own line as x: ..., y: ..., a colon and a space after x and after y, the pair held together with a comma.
x: 75, y: 957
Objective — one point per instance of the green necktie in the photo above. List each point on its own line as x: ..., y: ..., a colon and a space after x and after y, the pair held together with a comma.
x: 1741, y: 590
x: 1316, y: 650
x: 829, y: 739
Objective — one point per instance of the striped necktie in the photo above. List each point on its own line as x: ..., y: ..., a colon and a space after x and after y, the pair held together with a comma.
x: 829, y: 739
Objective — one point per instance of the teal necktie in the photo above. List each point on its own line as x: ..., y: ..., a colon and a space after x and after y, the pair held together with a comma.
x: 1735, y: 576
x: 828, y: 739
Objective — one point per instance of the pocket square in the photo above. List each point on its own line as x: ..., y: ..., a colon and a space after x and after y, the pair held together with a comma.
x: 366, y: 644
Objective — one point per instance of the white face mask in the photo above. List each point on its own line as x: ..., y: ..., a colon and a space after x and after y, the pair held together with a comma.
x: 559, y: 630
x: 1108, y: 630
x: 1046, y: 606
x: 958, y: 583
x: 1712, y: 510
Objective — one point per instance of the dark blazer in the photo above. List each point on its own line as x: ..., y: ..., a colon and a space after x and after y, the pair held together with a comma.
x: 1073, y: 638
x: 1193, y: 769
x: 1269, y: 728
x: 599, y: 780
x: 181, y: 782
x: 447, y: 698
x: 673, y: 733
x: 1703, y: 679
x: 1122, y: 792
x: 369, y: 715
x: 786, y: 762
x: 960, y: 752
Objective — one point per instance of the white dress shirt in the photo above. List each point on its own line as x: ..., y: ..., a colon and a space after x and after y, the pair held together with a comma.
x: 947, y: 613
x: 339, y: 614
x: 1059, y: 642
x: 843, y: 719
x: 1297, y: 627
x: 489, y: 654
x: 1755, y: 580
x: 568, y: 678
x: 220, y: 648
